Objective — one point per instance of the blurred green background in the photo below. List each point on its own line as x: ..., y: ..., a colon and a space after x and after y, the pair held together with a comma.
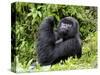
x: 26, y: 18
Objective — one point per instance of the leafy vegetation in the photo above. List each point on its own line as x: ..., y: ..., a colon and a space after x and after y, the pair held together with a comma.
x: 26, y: 18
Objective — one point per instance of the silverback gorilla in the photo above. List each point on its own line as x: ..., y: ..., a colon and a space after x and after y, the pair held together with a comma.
x: 55, y: 46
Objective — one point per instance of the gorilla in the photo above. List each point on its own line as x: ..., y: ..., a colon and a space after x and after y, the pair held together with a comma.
x: 54, y: 46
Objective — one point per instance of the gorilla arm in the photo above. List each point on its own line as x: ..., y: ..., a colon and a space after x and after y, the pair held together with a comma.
x: 46, y: 42
x: 68, y: 48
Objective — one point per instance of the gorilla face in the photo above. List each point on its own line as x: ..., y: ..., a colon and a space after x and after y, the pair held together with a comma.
x: 67, y: 28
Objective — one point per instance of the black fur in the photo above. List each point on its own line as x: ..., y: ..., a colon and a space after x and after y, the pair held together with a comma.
x: 48, y: 51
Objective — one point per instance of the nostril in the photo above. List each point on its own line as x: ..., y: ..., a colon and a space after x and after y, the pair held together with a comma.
x: 67, y: 30
x: 63, y: 29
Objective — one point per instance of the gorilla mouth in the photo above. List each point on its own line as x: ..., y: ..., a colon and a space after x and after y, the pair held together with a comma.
x: 63, y: 34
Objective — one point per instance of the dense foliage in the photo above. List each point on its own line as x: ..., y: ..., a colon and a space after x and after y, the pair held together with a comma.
x: 28, y: 17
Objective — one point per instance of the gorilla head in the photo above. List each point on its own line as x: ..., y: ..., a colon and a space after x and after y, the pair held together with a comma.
x: 68, y: 27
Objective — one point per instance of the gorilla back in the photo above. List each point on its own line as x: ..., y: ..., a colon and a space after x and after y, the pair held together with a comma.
x: 48, y: 51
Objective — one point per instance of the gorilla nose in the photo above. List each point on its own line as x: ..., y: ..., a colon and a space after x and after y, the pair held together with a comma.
x: 64, y: 30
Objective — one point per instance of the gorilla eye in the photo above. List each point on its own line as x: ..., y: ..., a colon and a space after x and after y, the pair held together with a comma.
x: 65, y: 25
